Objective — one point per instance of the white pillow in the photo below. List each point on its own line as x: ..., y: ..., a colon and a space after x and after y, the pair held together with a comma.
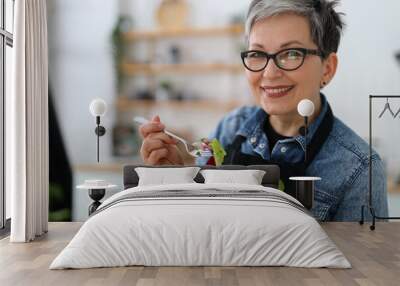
x: 249, y: 177
x: 163, y: 176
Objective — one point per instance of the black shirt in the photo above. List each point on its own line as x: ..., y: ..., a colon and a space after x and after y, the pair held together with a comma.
x: 272, y: 135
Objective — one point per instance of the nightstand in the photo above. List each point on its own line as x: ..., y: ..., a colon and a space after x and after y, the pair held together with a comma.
x: 305, y: 190
x: 97, y: 190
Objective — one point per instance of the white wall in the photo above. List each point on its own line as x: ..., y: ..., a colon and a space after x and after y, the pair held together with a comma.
x: 81, y: 69
x: 81, y: 63
x: 367, y: 66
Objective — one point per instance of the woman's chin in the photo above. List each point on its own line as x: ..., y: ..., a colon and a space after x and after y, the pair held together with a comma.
x: 274, y: 108
x: 275, y: 111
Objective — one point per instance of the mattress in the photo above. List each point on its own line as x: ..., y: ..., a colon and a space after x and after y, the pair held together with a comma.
x: 201, y: 225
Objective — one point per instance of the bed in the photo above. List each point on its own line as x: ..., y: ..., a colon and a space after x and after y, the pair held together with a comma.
x: 201, y: 224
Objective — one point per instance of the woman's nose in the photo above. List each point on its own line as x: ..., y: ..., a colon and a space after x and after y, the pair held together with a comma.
x: 271, y: 71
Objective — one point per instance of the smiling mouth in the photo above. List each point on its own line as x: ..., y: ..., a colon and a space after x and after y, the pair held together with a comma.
x: 275, y: 92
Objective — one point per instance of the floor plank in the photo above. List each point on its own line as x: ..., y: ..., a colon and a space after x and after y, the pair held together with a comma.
x: 374, y: 255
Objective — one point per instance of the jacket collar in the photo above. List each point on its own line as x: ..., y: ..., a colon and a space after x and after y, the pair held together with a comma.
x: 253, y: 126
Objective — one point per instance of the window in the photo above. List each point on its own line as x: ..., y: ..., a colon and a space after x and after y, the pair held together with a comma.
x: 6, y: 43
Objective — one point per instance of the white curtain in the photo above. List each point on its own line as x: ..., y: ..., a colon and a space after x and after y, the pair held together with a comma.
x: 27, y: 123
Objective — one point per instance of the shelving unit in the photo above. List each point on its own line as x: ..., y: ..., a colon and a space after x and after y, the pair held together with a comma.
x: 152, y: 71
x: 152, y: 36
x: 184, y: 32
x: 194, y: 68
x: 126, y: 104
x: 149, y: 63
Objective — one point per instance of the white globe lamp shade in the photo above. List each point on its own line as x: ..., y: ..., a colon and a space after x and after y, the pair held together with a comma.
x: 98, y: 107
x: 305, y: 108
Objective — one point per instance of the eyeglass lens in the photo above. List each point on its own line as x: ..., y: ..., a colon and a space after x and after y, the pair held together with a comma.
x: 287, y: 60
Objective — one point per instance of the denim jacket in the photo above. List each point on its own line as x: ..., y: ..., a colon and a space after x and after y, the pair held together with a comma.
x: 342, y: 162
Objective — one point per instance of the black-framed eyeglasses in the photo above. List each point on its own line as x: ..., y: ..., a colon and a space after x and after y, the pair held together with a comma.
x: 288, y: 59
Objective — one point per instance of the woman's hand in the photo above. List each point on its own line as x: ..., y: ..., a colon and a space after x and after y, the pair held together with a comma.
x: 158, y: 148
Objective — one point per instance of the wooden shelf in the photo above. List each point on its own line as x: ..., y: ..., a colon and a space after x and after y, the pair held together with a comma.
x: 126, y: 104
x: 392, y: 186
x: 183, y: 32
x: 155, y: 69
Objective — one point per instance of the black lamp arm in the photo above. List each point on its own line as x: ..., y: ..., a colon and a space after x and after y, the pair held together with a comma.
x: 100, y: 131
x: 305, y: 138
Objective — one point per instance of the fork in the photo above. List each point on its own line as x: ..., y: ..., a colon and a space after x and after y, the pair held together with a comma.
x: 192, y: 149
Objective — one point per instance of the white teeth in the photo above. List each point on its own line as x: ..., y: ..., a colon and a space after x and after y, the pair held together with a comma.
x: 276, y: 90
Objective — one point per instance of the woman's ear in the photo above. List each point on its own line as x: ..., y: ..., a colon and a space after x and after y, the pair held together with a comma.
x: 329, y: 68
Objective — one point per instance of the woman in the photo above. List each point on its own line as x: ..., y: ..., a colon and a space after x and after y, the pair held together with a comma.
x: 291, y: 56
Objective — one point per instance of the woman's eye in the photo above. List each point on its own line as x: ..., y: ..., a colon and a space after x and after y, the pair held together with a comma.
x: 292, y: 55
x: 255, y: 55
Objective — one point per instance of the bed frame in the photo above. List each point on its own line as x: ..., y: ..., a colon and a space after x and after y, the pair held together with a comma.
x: 270, y: 179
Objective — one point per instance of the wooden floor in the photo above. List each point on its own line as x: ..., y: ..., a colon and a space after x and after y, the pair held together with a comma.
x: 374, y: 255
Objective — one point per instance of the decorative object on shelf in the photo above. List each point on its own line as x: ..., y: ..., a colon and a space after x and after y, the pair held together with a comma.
x: 123, y: 25
x: 164, y: 90
x: 98, y: 108
x: 369, y: 206
x: 237, y: 19
x: 126, y: 141
x: 172, y: 14
x: 175, y: 54
x: 305, y: 190
x: 305, y: 108
x: 142, y: 94
x: 167, y: 91
x: 97, y: 190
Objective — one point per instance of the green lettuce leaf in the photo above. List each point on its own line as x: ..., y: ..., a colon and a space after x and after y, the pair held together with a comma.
x: 218, y: 151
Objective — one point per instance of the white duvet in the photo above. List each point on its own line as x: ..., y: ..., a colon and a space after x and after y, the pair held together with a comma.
x: 200, y: 231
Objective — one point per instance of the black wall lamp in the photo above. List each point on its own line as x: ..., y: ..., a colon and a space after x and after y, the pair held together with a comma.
x: 98, y: 108
x: 305, y: 108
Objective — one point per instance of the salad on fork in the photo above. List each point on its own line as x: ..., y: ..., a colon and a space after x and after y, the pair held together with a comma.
x: 212, y: 149
x: 203, y: 148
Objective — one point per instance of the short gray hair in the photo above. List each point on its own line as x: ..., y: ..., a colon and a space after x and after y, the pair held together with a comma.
x: 325, y: 23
